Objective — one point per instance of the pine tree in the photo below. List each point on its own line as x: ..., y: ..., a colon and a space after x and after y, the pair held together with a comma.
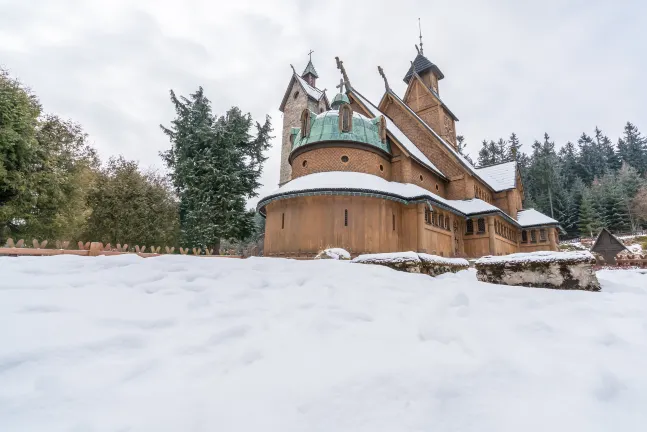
x: 569, y: 164
x: 514, y: 148
x: 616, y: 216
x: 587, y: 219
x: 632, y: 148
x: 487, y: 155
x: 591, y: 160
x: 612, y: 161
x: 502, y: 150
x: 215, y: 166
x: 462, y: 148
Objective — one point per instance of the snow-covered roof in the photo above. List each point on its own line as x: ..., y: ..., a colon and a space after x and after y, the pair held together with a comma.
x: 368, y: 183
x: 485, y: 179
x: 395, y: 131
x: 531, y: 217
x: 541, y: 256
x: 314, y: 93
x: 501, y: 176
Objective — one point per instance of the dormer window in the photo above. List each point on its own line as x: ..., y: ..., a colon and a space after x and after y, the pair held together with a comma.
x: 345, y: 118
x: 305, y: 123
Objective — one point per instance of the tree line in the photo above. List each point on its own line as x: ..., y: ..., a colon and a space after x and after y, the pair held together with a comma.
x: 586, y: 185
x: 54, y: 186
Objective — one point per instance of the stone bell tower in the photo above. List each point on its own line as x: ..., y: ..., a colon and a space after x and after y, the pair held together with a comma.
x: 301, y: 93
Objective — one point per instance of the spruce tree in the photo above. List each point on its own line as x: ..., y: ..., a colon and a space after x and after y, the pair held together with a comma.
x: 569, y: 164
x: 462, y: 148
x: 514, y: 147
x: 587, y: 218
x: 616, y: 216
x: 632, y: 148
x: 611, y: 159
x: 502, y: 151
x: 486, y: 155
x: 215, y: 167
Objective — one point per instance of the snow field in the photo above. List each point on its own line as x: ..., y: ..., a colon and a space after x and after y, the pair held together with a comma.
x: 180, y: 343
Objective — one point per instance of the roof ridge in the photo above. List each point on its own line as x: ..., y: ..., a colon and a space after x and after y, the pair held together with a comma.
x: 458, y: 156
x: 495, y: 164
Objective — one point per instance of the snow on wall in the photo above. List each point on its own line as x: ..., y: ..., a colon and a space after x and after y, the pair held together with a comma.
x: 541, y: 256
x: 559, y: 270
x: 414, y: 262
x: 180, y: 343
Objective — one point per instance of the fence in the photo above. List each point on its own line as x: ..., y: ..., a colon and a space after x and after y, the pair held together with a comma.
x: 98, y: 248
x: 625, y: 261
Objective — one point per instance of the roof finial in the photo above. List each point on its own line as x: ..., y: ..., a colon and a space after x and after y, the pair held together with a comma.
x: 293, y: 70
x: 340, y: 86
x: 386, y: 83
x: 310, y: 55
x: 420, y: 30
x: 340, y: 66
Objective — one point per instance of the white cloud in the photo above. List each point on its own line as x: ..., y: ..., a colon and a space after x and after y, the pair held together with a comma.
x: 560, y: 67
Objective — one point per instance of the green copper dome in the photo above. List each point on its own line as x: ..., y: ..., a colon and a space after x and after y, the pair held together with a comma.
x: 325, y: 127
x: 339, y: 99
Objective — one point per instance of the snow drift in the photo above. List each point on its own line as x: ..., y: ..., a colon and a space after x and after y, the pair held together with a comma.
x: 180, y: 343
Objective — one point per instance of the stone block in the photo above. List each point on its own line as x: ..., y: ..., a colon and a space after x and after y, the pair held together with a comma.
x: 556, y: 270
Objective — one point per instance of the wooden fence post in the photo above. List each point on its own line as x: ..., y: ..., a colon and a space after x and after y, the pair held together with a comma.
x: 95, y: 248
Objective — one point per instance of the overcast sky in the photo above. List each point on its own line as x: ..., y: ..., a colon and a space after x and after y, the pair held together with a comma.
x: 557, y: 66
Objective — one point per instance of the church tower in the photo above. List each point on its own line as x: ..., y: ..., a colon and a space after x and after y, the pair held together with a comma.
x: 301, y: 93
x: 423, y: 96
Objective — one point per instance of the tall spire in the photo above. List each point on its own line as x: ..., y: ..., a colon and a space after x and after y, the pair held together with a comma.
x: 310, y: 73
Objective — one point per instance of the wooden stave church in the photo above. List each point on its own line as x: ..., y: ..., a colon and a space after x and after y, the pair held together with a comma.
x: 389, y: 177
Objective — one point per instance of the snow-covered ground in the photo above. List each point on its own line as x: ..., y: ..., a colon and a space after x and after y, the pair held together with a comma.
x: 205, y: 344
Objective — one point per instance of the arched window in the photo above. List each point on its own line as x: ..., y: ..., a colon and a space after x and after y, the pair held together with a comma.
x: 447, y: 222
x: 345, y: 118
x: 524, y: 236
x: 305, y: 123
x: 382, y: 129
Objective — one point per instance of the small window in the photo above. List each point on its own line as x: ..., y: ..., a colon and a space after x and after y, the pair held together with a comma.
x: 381, y: 167
x: 304, y: 163
x: 421, y: 177
x: 282, y: 220
x: 524, y: 236
x: 296, y: 94
x: 437, y: 188
x: 481, y: 225
x: 305, y: 123
x: 469, y: 227
x: 427, y: 216
x: 542, y: 234
x: 345, y: 118
x: 447, y: 223
x: 393, y: 219
x: 321, y: 110
x: 346, y: 217
x: 533, y: 236
x: 344, y: 159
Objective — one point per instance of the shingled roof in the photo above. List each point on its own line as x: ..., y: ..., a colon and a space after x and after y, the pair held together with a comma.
x: 310, y: 69
x: 422, y: 64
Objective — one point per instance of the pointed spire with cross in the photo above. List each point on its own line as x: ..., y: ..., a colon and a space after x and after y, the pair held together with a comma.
x: 340, y: 86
